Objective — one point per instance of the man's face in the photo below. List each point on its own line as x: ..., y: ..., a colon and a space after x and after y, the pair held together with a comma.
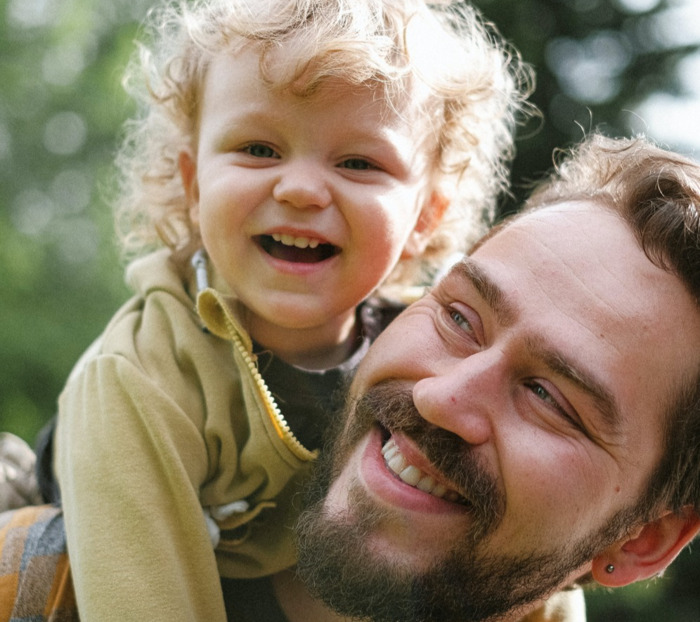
x: 502, y: 427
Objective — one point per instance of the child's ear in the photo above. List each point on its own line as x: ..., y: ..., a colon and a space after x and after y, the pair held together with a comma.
x: 428, y: 220
x: 188, y: 174
x: 648, y: 551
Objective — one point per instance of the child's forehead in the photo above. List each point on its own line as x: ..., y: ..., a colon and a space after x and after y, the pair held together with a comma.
x: 316, y: 80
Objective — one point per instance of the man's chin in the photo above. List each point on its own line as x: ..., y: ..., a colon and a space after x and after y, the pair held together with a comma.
x: 355, y: 549
x: 347, y: 561
x: 388, y: 538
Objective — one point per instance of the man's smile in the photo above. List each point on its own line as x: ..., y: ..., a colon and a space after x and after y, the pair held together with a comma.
x: 391, y: 481
x: 414, y: 476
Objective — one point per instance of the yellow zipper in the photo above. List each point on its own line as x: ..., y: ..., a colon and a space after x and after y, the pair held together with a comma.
x: 278, y: 421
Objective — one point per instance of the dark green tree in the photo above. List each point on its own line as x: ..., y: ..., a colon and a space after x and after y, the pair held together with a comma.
x: 61, y: 106
x: 596, y: 61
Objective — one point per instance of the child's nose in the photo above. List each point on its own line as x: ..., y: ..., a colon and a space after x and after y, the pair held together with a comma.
x: 303, y: 185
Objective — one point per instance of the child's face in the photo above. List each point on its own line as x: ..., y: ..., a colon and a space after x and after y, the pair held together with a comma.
x: 304, y: 205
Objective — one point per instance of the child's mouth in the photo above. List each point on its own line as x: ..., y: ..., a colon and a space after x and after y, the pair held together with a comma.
x: 296, y: 249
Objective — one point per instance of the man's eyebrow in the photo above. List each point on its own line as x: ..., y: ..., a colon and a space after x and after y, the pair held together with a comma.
x: 605, y: 401
x: 492, y: 294
x: 505, y: 312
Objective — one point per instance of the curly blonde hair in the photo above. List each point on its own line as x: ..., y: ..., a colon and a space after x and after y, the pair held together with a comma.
x: 476, y: 91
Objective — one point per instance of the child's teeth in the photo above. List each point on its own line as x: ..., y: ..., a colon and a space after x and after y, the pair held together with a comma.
x: 290, y: 240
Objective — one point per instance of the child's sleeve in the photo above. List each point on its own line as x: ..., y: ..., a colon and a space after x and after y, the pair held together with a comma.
x: 130, y: 463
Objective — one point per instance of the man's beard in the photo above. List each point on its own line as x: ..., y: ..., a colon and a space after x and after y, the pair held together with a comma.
x: 467, y: 583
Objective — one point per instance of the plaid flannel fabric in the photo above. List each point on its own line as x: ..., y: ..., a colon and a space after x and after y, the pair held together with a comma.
x: 35, y: 579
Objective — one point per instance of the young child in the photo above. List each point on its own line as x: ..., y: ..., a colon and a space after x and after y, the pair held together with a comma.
x: 295, y: 158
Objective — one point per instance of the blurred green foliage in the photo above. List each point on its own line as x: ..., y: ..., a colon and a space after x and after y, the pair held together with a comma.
x: 596, y: 62
x: 61, y: 108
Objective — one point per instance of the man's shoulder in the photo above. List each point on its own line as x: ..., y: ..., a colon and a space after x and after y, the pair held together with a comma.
x: 564, y: 606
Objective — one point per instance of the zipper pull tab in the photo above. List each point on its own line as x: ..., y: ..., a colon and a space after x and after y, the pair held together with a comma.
x: 200, y: 264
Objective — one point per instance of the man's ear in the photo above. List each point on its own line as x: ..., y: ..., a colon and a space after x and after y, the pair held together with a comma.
x: 188, y: 174
x: 648, y: 551
x: 428, y: 220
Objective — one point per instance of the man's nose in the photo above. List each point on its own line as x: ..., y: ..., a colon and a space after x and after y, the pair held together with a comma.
x: 464, y: 396
x: 302, y: 184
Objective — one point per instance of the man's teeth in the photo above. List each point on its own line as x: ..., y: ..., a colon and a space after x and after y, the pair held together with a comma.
x: 413, y: 476
x: 290, y: 240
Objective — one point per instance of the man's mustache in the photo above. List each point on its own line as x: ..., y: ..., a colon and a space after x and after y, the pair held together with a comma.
x: 390, y: 404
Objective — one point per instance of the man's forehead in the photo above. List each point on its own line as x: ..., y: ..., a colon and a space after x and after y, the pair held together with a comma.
x: 560, y: 217
x: 583, y: 259
x: 573, y: 230
x: 584, y: 239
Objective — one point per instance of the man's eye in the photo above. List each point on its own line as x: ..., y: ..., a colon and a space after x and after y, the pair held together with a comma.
x: 357, y: 164
x: 258, y: 150
x: 460, y: 320
x: 545, y: 396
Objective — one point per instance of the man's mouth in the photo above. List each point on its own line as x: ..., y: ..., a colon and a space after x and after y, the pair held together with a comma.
x: 296, y: 249
x: 413, y: 476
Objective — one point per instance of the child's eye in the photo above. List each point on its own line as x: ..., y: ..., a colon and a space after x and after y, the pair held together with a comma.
x: 258, y: 150
x: 357, y: 164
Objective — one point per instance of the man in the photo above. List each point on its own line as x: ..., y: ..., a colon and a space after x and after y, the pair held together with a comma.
x: 531, y: 423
